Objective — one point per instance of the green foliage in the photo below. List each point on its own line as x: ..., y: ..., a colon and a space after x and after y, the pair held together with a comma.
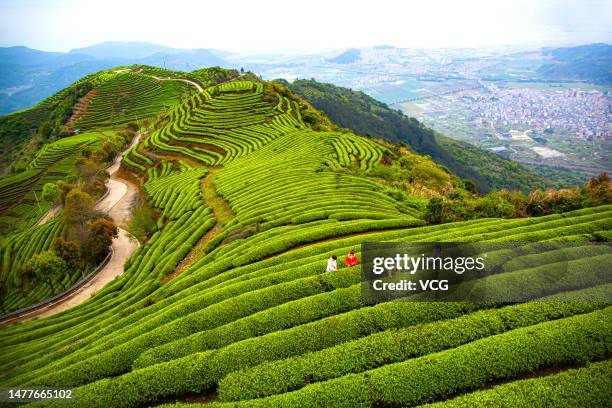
x: 557, y: 177
x: 45, y: 267
x: 582, y: 387
x: 174, y: 192
x: 571, y: 340
x: 228, y: 288
x: 435, y: 210
x: 69, y: 251
x: 315, y: 119
x: 78, y: 208
x: 143, y: 223
x: 18, y: 248
x: 427, y: 173
x: 24, y: 131
x: 21, y: 201
x: 119, y: 98
x: 110, y: 148
x: 222, y: 123
x: 127, y: 96
x: 459, y: 206
x: 388, y: 347
x: 211, y: 366
x: 100, y: 235
x: 115, y: 341
x: 50, y: 192
x: 120, y: 359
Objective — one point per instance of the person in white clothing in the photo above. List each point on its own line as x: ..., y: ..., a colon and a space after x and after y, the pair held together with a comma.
x: 331, y: 264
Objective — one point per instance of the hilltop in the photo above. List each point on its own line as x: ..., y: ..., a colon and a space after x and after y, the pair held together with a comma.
x: 25, y: 131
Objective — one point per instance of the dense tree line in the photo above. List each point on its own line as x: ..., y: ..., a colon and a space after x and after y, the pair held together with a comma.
x: 460, y: 206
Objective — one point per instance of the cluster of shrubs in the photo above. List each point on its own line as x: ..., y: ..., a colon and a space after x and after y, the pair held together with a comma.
x: 573, y: 340
x: 88, y: 237
x: 582, y: 387
x: 419, y: 183
x: 390, y: 346
x: 461, y: 206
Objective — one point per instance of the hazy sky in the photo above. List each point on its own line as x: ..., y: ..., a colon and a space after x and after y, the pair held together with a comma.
x: 266, y: 25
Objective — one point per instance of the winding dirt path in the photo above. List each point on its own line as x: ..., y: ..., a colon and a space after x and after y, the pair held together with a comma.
x: 199, y: 88
x: 117, y: 203
x: 48, y: 215
x: 122, y: 248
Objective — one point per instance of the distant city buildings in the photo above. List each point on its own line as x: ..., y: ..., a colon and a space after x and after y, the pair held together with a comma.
x: 587, y: 114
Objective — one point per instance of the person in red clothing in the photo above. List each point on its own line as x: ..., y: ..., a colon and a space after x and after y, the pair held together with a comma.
x: 351, y: 259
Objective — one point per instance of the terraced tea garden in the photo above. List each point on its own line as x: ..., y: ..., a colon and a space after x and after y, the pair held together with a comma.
x: 127, y: 97
x: 253, y: 320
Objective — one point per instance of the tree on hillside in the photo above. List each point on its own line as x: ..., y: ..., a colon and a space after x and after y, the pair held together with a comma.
x: 86, y: 151
x: 64, y: 187
x: 128, y: 133
x: 45, y: 267
x: 493, y: 205
x: 434, y: 210
x: 428, y: 174
x: 69, y: 251
x: 87, y: 168
x: 24, y: 281
x: 132, y: 126
x: 99, y: 238
x: 599, y: 189
x: 50, y: 192
x: 110, y: 148
x: 470, y: 186
x: 78, y: 210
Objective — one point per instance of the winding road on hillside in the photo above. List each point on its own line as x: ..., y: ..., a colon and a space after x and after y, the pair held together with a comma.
x: 117, y: 203
x: 199, y: 88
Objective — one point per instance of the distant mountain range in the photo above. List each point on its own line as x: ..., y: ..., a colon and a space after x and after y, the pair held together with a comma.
x: 592, y: 63
x: 27, y: 76
x: 589, y: 63
x: 120, y: 49
x: 347, y: 57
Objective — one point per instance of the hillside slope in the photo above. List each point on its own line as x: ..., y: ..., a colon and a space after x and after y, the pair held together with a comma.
x: 366, y: 116
x: 116, y: 96
x: 229, y: 301
x: 590, y: 63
